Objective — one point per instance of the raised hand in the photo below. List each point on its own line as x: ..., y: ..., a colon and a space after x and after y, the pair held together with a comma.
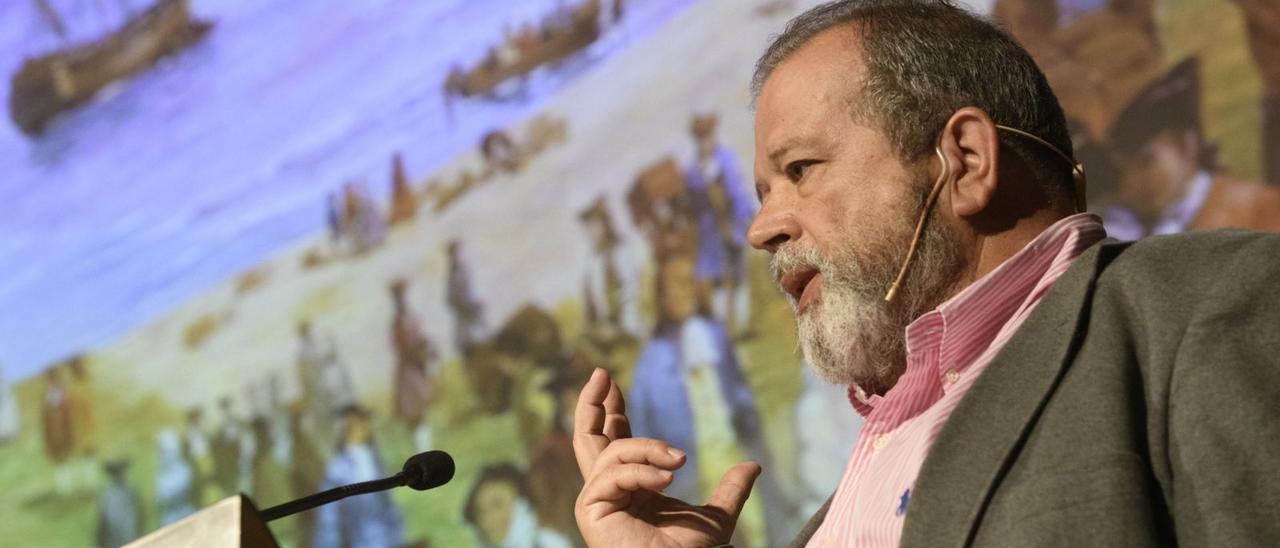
x: 621, y: 503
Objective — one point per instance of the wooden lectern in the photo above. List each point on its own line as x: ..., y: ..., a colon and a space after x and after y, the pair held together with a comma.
x: 233, y: 521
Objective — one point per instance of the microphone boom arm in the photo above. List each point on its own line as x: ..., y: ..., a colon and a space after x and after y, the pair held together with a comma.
x: 337, y: 493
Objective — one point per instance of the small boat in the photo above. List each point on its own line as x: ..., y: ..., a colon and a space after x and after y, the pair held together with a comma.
x: 50, y: 84
x: 560, y: 36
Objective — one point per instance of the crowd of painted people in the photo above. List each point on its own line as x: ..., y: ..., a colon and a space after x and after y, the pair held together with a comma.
x: 288, y: 436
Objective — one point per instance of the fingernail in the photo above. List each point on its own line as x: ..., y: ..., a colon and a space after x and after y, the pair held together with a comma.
x: 596, y: 373
x: 665, y: 475
x: 675, y: 453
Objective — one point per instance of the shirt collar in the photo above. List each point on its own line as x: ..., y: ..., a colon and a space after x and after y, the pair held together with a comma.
x: 966, y: 324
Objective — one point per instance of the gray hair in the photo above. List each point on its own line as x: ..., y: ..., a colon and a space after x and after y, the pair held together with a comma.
x: 928, y: 58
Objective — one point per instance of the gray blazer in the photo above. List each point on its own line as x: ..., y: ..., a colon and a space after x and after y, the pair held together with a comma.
x: 1139, y: 405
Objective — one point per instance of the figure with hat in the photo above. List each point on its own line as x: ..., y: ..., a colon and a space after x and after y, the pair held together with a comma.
x: 119, y: 507
x: 689, y: 390
x: 722, y: 210
x: 1169, y: 178
x: 415, y: 359
x: 369, y: 520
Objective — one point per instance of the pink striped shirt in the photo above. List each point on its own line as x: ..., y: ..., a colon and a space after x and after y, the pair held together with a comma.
x: 947, y: 349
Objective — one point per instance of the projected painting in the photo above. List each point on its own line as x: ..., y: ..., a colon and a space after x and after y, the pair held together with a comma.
x: 275, y: 246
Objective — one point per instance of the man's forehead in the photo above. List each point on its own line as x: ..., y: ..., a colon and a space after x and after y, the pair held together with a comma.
x: 820, y: 77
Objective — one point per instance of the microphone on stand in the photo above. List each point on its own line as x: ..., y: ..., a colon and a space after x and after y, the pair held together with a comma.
x: 421, y: 472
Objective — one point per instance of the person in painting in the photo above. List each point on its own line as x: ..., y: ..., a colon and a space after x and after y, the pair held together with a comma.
x: 270, y: 484
x: 322, y: 375
x: 362, y: 223
x: 175, y: 487
x: 687, y: 385
x: 415, y: 360
x: 56, y: 422
x: 499, y: 512
x: 228, y: 448
x: 1169, y: 179
x: 603, y: 288
x: 722, y: 210
x: 84, y: 440
x: 119, y: 507
x: 306, y: 471
x: 197, y: 452
x: 10, y: 420
x: 404, y: 204
x: 555, y: 487
x: 366, y: 521
x: 468, y: 315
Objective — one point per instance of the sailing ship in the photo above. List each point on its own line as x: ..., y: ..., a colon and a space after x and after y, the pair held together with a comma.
x: 50, y: 84
x: 564, y: 33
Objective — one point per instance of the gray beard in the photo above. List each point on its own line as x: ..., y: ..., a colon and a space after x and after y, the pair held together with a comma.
x: 849, y: 335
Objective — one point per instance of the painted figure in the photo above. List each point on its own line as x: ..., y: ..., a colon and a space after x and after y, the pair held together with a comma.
x: 196, y: 450
x: 119, y: 508
x: 175, y: 489
x: 325, y: 383
x: 367, y: 521
x: 415, y: 359
x: 499, y: 512
x: 722, y: 209
x: 56, y: 415
x: 1169, y: 178
x: 468, y: 315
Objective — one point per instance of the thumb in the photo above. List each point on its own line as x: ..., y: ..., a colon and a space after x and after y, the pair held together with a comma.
x: 734, y: 488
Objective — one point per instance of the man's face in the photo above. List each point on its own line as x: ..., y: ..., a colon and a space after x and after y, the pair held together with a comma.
x: 1157, y: 175
x: 838, y: 211
x: 495, y: 501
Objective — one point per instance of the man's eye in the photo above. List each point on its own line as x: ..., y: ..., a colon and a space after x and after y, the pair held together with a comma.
x: 795, y: 170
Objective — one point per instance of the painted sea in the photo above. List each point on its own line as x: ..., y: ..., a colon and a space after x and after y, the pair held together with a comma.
x: 198, y: 169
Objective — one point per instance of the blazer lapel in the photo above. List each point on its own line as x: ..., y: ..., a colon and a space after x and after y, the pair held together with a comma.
x: 979, y: 441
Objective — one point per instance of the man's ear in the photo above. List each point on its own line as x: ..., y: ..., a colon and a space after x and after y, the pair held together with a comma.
x: 972, y: 146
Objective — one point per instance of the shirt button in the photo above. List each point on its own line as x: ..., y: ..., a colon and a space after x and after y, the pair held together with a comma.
x: 951, y: 376
x: 880, y: 441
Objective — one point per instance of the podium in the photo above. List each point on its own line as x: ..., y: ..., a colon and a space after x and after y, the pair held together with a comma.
x: 233, y: 521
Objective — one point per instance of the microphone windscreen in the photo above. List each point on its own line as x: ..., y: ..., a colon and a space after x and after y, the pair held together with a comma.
x: 427, y: 470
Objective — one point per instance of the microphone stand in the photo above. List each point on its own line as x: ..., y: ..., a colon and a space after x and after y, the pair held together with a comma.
x: 337, y: 493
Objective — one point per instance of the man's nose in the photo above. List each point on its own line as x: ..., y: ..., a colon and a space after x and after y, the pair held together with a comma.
x: 771, y: 228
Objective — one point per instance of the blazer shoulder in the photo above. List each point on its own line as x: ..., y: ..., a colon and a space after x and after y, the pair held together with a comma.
x: 1195, y: 266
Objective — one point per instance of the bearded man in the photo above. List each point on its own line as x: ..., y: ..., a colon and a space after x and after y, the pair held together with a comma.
x: 1024, y: 381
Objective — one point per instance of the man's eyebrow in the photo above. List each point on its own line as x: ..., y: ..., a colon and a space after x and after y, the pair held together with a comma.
x: 790, y: 143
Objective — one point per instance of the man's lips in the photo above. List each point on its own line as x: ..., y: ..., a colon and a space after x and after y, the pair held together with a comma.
x: 803, y: 285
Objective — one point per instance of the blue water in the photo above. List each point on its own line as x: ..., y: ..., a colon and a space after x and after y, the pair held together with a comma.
x: 205, y: 166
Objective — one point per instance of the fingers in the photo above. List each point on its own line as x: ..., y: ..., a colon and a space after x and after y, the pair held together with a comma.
x: 640, y: 451
x: 589, y: 416
x: 735, y: 487
x: 616, y: 425
x: 616, y: 484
